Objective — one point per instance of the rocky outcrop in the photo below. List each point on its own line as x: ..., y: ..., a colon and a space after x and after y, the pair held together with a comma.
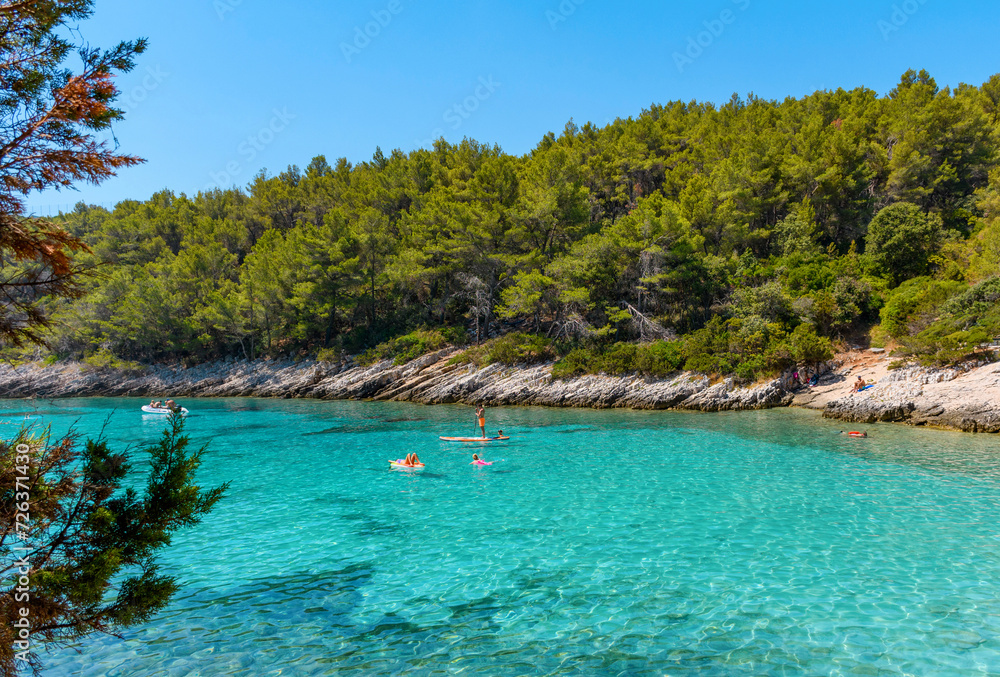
x: 431, y: 379
x: 966, y: 399
x: 962, y: 399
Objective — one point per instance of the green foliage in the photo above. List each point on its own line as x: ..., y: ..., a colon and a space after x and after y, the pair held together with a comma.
x: 329, y: 355
x: 807, y: 347
x: 963, y: 324
x: 913, y: 302
x: 402, y: 349
x: 658, y: 359
x: 727, y: 226
x: 95, y: 533
x: 519, y: 348
x: 901, y: 240
x: 104, y: 359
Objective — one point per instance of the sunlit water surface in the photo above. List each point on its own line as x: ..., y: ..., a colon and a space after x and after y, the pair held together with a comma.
x: 598, y: 543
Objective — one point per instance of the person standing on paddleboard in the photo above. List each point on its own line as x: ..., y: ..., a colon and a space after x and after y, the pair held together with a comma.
x: 481, y: 415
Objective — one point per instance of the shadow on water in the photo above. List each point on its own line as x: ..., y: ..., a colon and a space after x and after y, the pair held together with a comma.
x: 344, y: 430
x: 369, y: 526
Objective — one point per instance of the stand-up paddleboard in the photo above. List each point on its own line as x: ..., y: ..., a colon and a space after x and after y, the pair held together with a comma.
x: 399, y: 465
x: 475, y: 439
x: 161, y: 410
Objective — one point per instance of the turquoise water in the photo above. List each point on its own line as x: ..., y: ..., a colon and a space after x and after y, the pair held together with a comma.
x: 598, y: 543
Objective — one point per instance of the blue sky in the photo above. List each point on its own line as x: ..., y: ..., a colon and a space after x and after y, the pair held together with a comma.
x: 230, y: 87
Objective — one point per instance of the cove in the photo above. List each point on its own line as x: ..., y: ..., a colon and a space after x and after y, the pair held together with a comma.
x: 599, y: 542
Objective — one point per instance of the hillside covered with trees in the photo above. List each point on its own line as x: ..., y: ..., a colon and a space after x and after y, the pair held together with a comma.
x: 728, y: 239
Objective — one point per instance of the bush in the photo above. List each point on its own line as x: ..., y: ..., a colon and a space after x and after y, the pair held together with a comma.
x: 660, y: 358
x: 519, y: 348
x: 620, y: 358
x: 981, y: 299
x: 104, y: 359
x: 751, y: 368
x: 921, y: 296
x: 402, y: 349
x: 329, y: 355
x: 575, y: 363
x: 807, y: 347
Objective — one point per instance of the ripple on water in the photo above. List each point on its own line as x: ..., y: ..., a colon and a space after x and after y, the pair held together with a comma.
x: 625, y: 543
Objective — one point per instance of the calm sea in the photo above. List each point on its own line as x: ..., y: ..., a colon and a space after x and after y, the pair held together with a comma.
x: 597, y: 543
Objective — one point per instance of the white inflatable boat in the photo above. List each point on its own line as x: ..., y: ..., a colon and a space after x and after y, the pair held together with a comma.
x: 160, y: 410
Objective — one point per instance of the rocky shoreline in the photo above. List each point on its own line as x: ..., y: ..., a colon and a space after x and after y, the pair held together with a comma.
x: 967, y: 400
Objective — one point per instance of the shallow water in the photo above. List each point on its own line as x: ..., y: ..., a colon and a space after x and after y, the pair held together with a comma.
x: 598, y: 543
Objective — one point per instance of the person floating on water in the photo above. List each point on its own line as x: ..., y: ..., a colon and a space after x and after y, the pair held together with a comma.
x: 412, y: 460
x: 475, y: 459
x: 481, y: 415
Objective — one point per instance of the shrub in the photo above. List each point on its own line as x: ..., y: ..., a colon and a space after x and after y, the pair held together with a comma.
x: 979, y: 300
x: 519, y: 348
x: 807, y: 347
x: 329, y: 355
x: 660, y: 358
x: 751, y: 368
x: 620, y: 358
x: 105, y: 359
x: 410, y: 346
x: 575, y: 363
x: 914, y: 298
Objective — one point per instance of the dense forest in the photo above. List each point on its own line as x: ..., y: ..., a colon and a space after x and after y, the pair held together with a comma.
x: 733, y: 239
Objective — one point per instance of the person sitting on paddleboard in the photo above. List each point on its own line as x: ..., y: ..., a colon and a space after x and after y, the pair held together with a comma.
x: 481, y: 415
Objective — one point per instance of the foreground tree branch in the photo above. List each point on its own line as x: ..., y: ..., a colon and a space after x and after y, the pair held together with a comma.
x: 83, y: 531
x: 49, y: 121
